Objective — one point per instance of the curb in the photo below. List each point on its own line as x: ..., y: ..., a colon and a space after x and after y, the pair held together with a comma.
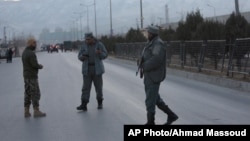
x: 215, y: 80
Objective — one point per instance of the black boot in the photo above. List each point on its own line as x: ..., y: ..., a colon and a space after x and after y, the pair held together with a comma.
x: 150, y: 119
x: 99, y: 104
x: 171, y: 115
x: 83, y: 106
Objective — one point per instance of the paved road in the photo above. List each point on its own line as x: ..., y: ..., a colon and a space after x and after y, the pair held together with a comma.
x: 61, y: 82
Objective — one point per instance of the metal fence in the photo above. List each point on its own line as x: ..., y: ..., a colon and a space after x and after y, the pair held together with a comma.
x: 225, y: 58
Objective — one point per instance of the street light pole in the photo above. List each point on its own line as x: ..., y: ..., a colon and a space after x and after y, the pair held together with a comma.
x: 5, y: 37
x: 77, y: 31
x: 141, y: 14
x: 213, y: 8
x: 181, y: 14
x: 95, y: 20
x: 87, y: 6
x: 237, y: 7
x: 87, y: 18
x: 80, y: 24
x: 160, y: 19
x: 111, y: 29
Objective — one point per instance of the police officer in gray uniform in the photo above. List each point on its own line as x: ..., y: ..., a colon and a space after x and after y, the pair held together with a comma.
x: 154, y: 71
x: 91, y: 53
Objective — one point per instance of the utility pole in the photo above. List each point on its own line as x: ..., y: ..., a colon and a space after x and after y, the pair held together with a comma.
x: 141, y: 14
x: 237, y: 7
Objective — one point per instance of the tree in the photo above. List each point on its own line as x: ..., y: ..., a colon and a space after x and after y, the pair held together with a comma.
x: 236, y: 27
x: 248, y: 30
x: 210, y: 30
x: 167, y: 34
x: 182, y: 33
x: 187, y: 30
x: 110, y: 42
x: 135, y: 36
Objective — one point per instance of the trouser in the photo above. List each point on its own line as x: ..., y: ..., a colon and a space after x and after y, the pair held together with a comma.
x: 87, y: 83
x: 31, y: 93
x: 152, y: 95
x: 10, y: 59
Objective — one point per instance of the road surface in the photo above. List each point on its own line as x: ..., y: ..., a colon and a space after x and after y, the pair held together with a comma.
x: 61, y: 81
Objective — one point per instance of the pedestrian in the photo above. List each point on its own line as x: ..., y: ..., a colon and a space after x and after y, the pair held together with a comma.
x: 10, y: 54
x: 7, y: 55
x: 91, y: 54
x: 30, y: 73
x: 153, y: 66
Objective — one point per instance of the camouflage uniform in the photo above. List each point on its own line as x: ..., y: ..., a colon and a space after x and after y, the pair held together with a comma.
x: 30, y: 73
x: 32, y: 92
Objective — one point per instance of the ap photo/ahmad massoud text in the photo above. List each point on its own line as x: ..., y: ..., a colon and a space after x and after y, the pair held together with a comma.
x: 163, y: 131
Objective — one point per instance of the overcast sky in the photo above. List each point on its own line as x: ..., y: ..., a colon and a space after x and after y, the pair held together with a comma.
x: 31, y: 16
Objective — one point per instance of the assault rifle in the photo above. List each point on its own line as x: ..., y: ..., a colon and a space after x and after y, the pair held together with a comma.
x: 140, y: 69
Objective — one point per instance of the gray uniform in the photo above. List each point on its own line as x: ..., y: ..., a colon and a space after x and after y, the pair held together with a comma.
x: 92, y: 69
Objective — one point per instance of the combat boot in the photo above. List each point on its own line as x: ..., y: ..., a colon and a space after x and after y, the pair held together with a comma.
x: 99, y: 104
x: 27, y: 112
x: 150, y: 119
x: 38, y: 113
x: 83, y: 106
x: 171, y: 118
x: 171, y: 115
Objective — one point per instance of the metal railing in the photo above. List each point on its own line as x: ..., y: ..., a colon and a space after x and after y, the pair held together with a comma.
x: 220, y: 56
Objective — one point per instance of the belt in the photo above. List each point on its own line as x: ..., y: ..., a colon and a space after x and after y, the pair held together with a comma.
x: 91, y: 64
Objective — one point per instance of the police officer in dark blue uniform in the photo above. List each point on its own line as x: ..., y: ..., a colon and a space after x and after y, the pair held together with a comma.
x: 154, y: 72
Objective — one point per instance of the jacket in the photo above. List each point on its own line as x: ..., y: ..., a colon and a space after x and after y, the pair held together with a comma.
x: 30, y: 64
x: 99, y: 67
x: 154, y: 57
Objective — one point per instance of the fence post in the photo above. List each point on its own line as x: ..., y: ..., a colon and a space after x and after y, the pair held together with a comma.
x: 182, y: 54
x: 202, y: 54
x: 167, y: 44
x: 231, y: 53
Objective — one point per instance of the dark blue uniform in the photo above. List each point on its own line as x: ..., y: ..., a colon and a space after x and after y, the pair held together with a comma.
x: 154, y: 68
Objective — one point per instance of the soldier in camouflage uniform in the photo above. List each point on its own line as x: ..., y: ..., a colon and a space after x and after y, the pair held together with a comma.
x: 30, y: 73
x: 154, y: 71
